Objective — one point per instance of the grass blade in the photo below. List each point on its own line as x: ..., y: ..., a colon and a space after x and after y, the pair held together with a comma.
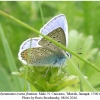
x: 41, y: 12
x: 84, y: 81
x: 10, y: 59
x: 81, y: 87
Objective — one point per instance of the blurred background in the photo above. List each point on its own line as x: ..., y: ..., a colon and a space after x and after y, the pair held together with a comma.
x: 84, y: 35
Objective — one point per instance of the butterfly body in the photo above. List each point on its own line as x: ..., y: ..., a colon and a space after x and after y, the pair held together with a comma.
x: 40, y: 51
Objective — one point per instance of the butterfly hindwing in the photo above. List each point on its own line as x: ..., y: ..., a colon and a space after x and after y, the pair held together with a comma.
x: 30, y: 43
x: 38, y: 56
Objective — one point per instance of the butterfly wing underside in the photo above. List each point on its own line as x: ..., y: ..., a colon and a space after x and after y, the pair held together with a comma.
x: 54, y: 23
x: 38, y: 56
x: 57, y: 35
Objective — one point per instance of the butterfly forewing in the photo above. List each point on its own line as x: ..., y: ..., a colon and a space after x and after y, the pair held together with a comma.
x: 57, y: 35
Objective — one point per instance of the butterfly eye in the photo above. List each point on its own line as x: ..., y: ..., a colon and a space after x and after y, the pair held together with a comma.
x: 68, y: 54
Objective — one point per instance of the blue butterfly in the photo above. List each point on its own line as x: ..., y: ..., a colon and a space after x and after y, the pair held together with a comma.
x: 41, y: 52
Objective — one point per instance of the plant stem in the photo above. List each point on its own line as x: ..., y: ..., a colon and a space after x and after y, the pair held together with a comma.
x: 41, y: 12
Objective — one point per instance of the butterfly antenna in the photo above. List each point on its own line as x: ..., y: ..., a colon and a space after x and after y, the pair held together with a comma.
x: 79, y: 52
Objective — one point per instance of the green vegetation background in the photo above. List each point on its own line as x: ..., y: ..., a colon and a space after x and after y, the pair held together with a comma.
x: 84, y: 32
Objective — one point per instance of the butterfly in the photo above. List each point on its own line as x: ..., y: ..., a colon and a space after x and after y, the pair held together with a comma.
x: 39, y: 51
